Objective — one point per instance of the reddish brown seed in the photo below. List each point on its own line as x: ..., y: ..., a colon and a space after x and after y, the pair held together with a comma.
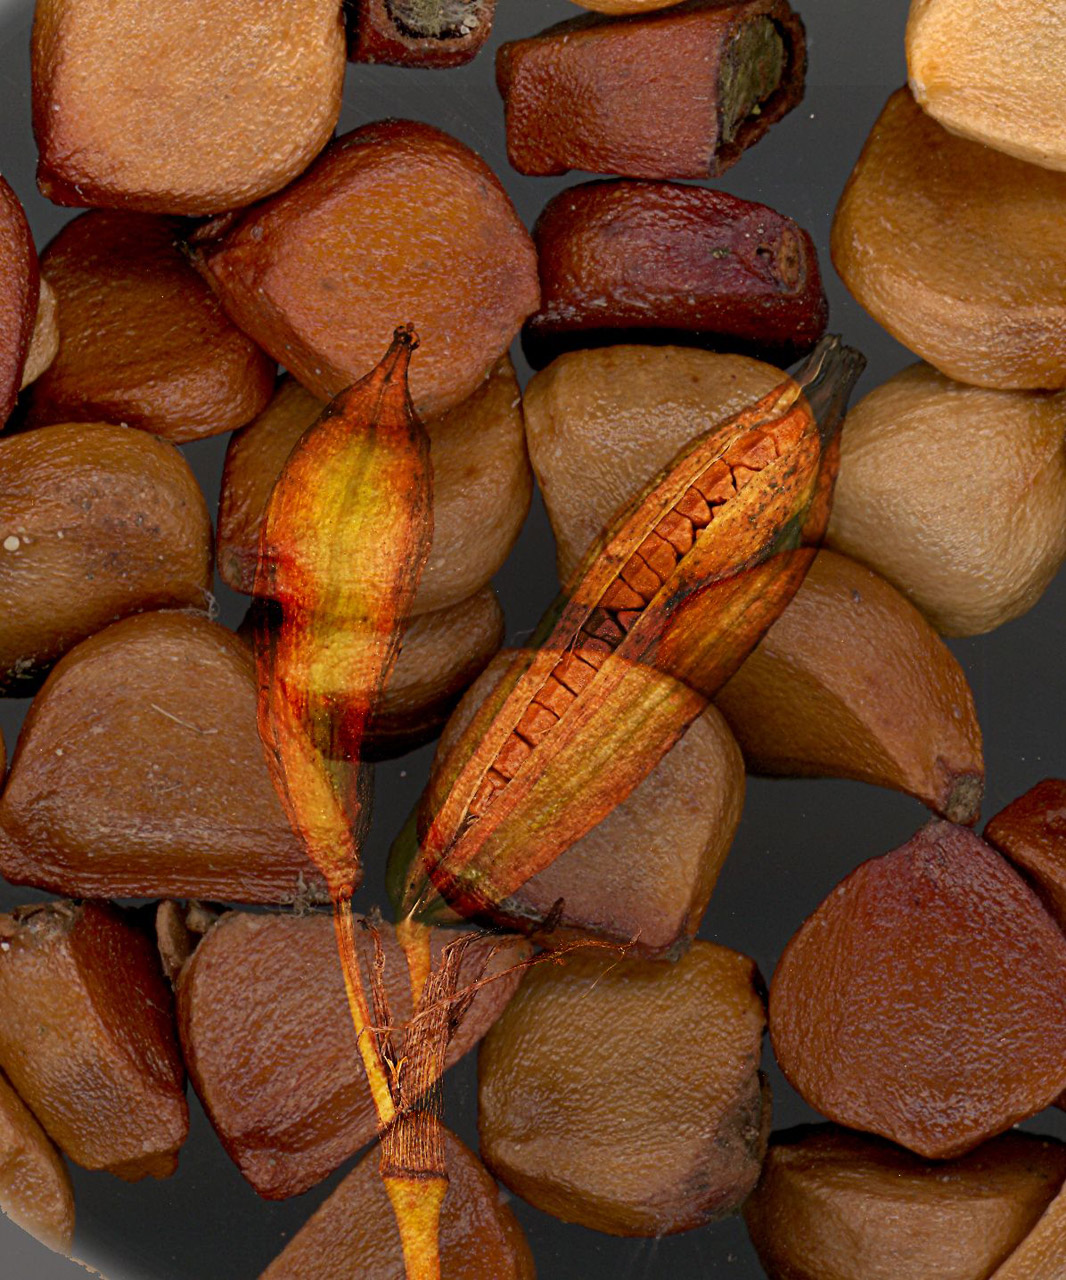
x: 1031, y: 832
x: 664, y: 262
x: 925, y: 999
x: 139, y: 773
x: 87, y: 1037
x: 677, y: 529
x: 19, y: 285
x: 394, y: 220
x: 418, y: 33
x: 677, y: 94
x: 268, y: 1040
x: 143, y: 341
x: 35, y: 1190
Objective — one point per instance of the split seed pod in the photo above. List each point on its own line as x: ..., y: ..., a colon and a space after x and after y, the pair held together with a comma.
x: 684, y: 582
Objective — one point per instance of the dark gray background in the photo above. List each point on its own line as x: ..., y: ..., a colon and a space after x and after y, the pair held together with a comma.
x: 796, y: 840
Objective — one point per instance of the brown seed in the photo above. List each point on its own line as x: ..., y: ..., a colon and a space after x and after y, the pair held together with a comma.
x: 482, y: 486
x: 989, y: 75
x: 948, y: 245
x: 394, y: 221
x: 925, y: 999
x: 626, y: 6
x: 418, y: 33
x: 1042, y: 1254
x: 673, y: 263
x: 956, y: 495
x: 178, y: 930
x: 601, y: 423
x: 1031, y: 832
x: 646, y: 872
x: 181, y: 116
x: 19, y: 283
x: 35, y: 1190
x: 96, y: 522
x: 44, y: 344
x: 852, y: 682
x: 676, y: 94
x: 268, y: 1040
x: 139, y: 773
x: 144, y: 342
x: 87, y: 1037
x: 625, y: 1094
x: 833, y: 1205
x: 354, y: 1232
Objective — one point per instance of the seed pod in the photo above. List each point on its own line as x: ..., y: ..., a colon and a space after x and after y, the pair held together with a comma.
x: 87, y: 1038
x: 586, y: 714
x: 956, y: 495
x: 625, y: 1094
x: 852, y: 682
x: 1042, y: 1254
x: 676, y: 94
x: 395, y: 219
x: 989, y: 76
x: 237, y: 107
x: 1031, y: 832
x: 834, y: 1205
x: 143, y: 341
x: 35, y: 1190
x: 19, y: 284
x: 418, y: 33
x: 481, y: 486
x: 925, y: 999
x: 948, y: 245
x: 44, y: 344
x: 96, y: 522
x: 268, y: 1040
x: 354, y: 1232
x: 675, y: 263
x: 139, y: 773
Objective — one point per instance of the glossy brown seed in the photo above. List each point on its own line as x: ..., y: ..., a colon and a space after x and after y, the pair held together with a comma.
x: 1042, y: 1254
x: 482, y: 485
x: 354, y: 1232
x: 948, y: 245
x: 139, y: 773
x: 673, y: 263
x: 144, y: 342
x: 675, y: 94
x: 19, y: 283
x: 396, y: 221
x: 44, y: 343
x: 1031, y: 832
x: 35, y: 1190
x: 833, y: 1205
x: 418, y: 33
x: 181, y: 116
x: 268, y: 1040
x: 852, y: 682
x: 96, y: 522
x: 622, y: 7
x: 87, y: 1037
x: 625, y: 1094
x: 600, y: 424
x: 925, y: 999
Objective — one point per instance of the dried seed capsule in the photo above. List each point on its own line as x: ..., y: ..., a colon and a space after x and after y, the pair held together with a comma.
x: 834, y: 1205
x: 19, y: 283
x: 675, y: 263
x: 948, y: 245
x: 601, y: 423
x: 925, y: 999
x: 139, y: 773
x: 654, y: 1122
x: 418, y: 33
x: 988, y: 75
x: 1031, y: 832
x: 237, y: 107
x: 676, y: 94
x: 482, y: 486
x: 852, y: 682
x: 35, y: 1190
x: 44, y: 344
x: 87, y: 1038
x: 143, y: 341
x: 934, y: 478
x: 96, y: 522
x: 354, y: 1232
x: 394, y: 220
x: 270, y: 1048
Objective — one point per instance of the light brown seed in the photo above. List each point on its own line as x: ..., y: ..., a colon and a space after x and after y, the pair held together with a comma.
x: 35, y: 1190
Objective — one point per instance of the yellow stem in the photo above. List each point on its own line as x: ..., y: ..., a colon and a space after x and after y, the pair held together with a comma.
x: 415, y: 940
x: 416, y: 1202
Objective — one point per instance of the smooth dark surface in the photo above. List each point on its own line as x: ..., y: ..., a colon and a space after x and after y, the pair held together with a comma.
x: 796, y: 840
